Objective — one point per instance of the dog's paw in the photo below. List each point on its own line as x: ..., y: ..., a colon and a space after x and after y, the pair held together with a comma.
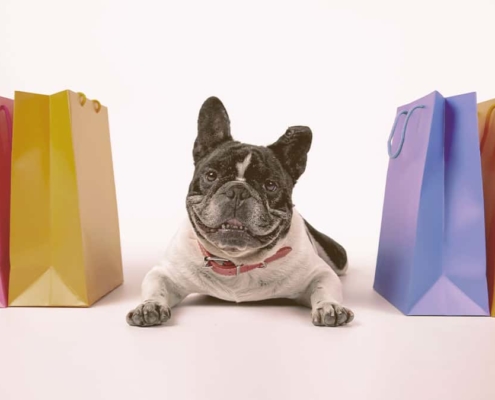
x: 331, y: 314
x: 148, y: 313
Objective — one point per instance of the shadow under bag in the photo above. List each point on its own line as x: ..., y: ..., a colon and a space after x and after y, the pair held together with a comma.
x: 432, y: 256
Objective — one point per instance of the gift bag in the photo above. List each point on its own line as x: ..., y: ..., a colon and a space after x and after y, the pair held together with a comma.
x: 431, y: 257
x: 65, y: 242
x: 486, y: 127
x: 5, y: 150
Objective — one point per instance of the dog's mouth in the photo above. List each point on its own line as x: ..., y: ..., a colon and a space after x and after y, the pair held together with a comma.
x: 231, y: 226
x: 234, y: 229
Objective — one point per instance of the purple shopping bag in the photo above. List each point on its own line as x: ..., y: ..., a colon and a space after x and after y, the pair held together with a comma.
x: 431, y: 256
x: 6, y: 106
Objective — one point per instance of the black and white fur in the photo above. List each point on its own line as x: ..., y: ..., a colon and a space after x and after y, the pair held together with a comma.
x: 240, y: 208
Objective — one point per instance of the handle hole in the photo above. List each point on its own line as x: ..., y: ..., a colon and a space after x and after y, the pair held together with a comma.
x: 97, y: 106
x: 82, y: 98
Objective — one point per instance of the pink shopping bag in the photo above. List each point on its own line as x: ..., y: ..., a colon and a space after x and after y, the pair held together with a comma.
x: 6, y: 110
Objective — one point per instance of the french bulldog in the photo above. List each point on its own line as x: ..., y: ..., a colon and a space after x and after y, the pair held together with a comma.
x: 243, y: 240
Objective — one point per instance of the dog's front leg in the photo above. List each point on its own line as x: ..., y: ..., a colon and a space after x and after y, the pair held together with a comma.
x: 324, y: 296
x: 159, y: 294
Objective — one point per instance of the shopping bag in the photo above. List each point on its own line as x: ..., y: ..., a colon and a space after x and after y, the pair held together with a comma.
x: 5, y: 151
x: 431, y: 256
x: 65, y: 242
x: 486, y: 127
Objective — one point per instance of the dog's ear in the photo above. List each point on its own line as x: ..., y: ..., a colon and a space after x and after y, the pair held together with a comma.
x: 213, y: 128
x: 292, y: 150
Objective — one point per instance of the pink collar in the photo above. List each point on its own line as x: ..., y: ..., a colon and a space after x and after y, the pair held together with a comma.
x: 226, y: 267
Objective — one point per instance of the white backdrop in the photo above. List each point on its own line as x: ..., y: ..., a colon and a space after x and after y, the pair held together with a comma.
x: 340, y: 67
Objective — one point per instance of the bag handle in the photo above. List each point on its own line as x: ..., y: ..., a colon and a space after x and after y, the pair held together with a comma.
x: 487, y: 126
x: 9, y: 125
x: 403, y: 133
x: 82, y: 101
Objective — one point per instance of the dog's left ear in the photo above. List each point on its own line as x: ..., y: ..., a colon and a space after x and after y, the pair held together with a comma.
x: 292, y: 150
x: 213, y: 128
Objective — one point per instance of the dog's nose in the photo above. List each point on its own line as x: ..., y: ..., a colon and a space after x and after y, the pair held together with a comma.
x: 238, y: 194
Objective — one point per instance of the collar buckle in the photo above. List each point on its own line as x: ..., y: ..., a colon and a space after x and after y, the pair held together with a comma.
x: 207, y: 260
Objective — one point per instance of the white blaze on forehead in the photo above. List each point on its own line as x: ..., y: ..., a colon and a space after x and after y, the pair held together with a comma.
x: 242, y: 167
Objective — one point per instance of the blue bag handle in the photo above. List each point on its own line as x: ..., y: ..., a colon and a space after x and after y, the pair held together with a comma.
x: 403, y: 133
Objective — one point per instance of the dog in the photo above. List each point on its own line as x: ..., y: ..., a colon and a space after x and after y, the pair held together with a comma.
x: 243, y: 240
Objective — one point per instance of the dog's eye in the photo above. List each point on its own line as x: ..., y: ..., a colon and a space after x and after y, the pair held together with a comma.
x: 271, y: 186
x: 211, y: 176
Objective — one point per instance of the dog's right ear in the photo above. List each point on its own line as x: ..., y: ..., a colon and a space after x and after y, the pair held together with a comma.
x: 213, y: 128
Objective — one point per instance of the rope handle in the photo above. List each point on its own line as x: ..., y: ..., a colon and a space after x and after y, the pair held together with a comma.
x: 8, y: 119
x: 82, y: 101
x: 403, y: 133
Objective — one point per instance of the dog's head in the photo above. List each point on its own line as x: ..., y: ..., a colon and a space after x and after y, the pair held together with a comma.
x: 240, y: 198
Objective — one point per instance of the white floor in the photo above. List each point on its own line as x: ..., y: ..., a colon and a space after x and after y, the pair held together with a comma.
x: 215, y: 350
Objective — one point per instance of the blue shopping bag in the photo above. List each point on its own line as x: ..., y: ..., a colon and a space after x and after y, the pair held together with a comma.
x: 432, y: 256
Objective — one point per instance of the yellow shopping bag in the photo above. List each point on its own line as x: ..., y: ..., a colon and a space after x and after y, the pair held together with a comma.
x: 486, y: 128
x: 65, y: 240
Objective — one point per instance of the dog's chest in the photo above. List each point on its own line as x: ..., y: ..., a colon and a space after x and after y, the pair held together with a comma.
x: 281, y: 280
x: 285, y: 277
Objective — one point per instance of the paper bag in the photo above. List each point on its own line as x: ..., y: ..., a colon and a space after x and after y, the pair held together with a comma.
x: 486, y: 127
x: 5, y: 152
x: 65, y: 242
x: 431, y: 257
